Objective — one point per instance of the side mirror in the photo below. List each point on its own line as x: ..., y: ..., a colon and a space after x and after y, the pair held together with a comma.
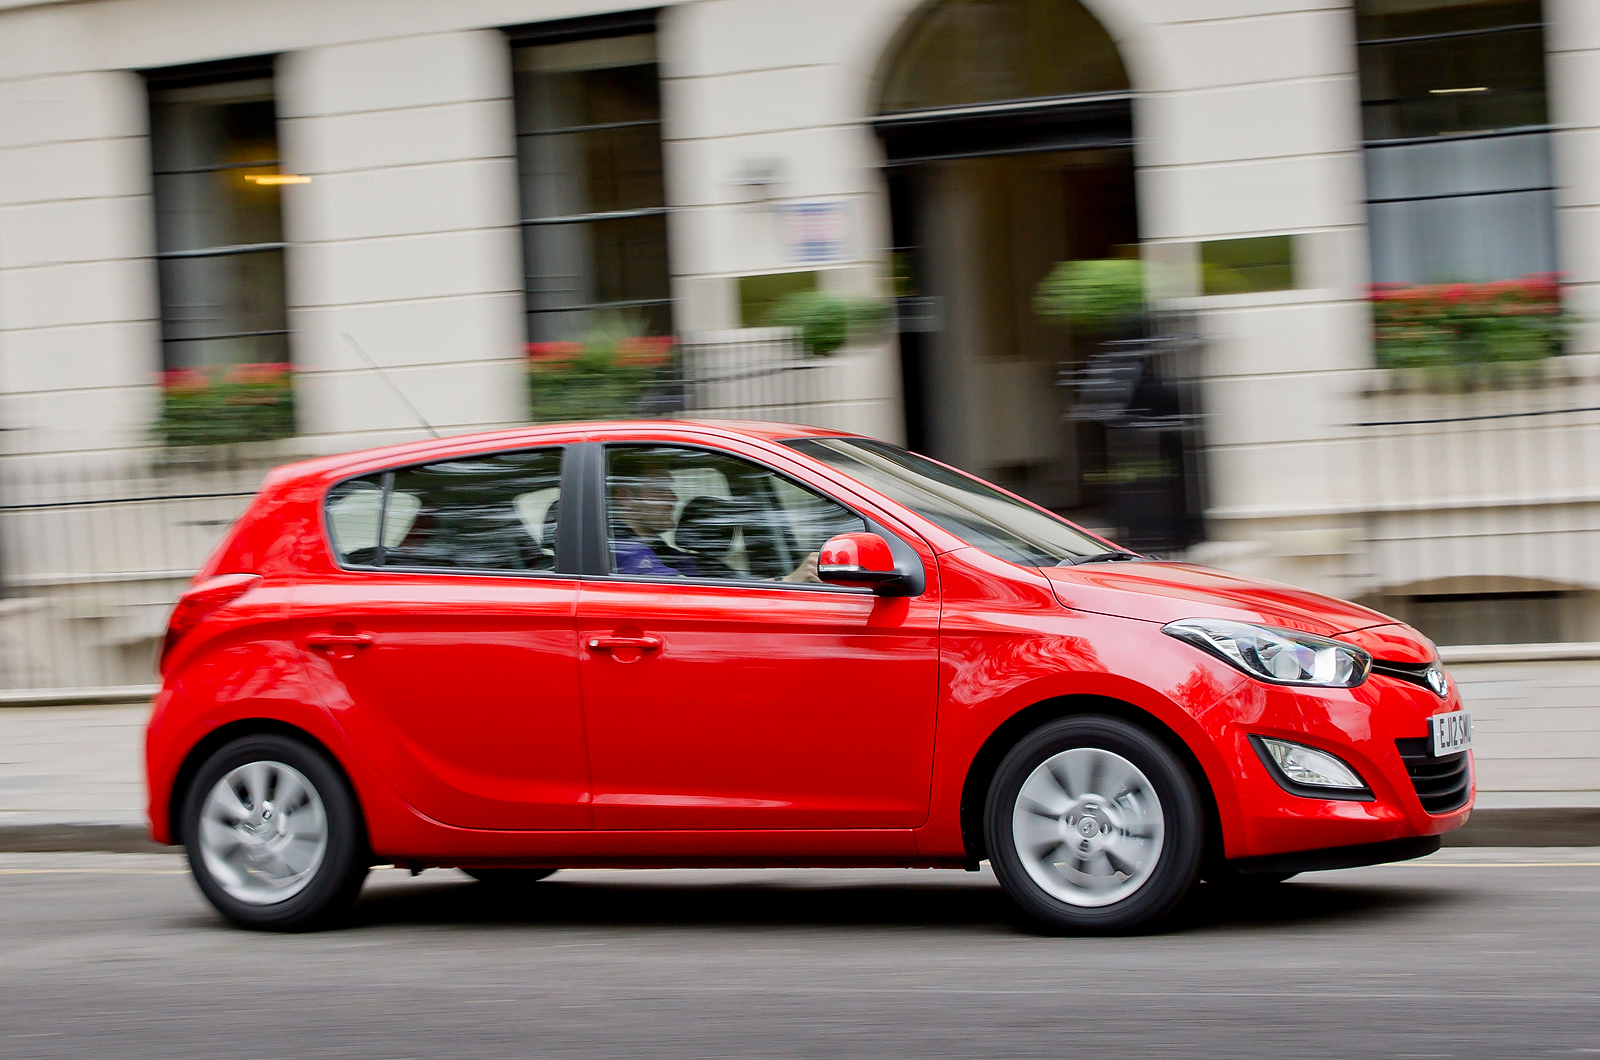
x: 864, y: 560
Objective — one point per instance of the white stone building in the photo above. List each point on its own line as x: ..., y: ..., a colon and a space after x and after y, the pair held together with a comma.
x: 678, y: 164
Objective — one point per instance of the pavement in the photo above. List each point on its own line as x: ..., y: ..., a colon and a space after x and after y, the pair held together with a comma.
x: 1482, y: 953
x: 71, y: 778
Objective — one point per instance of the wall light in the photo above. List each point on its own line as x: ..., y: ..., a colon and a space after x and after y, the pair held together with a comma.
x: 276, y: 178
x: 1456, y: 91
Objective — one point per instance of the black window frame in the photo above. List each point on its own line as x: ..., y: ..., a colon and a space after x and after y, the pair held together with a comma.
x: 640, y: 22
x: 1370, y: 145
x: 569, y: 519
x: 194, y: 75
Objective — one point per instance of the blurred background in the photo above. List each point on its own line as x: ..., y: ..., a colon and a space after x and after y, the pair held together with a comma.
x: 1302, y: 288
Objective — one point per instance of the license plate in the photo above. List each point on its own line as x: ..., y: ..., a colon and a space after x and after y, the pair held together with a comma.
x: 1450, y: 733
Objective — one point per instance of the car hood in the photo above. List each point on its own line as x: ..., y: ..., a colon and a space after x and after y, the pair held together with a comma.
x: 1156, y: 591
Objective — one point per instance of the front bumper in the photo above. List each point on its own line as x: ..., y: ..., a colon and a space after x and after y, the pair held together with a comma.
x: 1373, y: 728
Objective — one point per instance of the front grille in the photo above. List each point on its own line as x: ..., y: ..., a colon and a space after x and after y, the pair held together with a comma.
x: 1415, y: 673
x: 1442, y: 784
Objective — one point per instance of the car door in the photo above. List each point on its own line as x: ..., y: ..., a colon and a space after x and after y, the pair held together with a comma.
x: 718, y: 694
x: 441, y: 635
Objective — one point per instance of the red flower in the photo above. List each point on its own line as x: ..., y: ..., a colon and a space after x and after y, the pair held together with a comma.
x: 553, y: 352
x: 645, y: 350
x: 185, y: 379
x: 271, y: 372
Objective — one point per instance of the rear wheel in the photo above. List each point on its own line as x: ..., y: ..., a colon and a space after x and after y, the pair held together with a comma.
x: 273, y: 834
x: 1093, y: 826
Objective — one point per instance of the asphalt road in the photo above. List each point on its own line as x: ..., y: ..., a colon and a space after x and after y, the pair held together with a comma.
x: 1471, y: 953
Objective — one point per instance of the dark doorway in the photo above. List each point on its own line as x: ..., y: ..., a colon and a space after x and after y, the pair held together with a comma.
x: 1008, y: 131
x: 980, y: 366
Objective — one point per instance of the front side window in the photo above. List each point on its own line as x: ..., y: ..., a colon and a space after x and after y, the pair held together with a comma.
x: 970, y: 509
x: 692, y: 513
x: 1460, y: 186
x: 219, y: 222
x: 594, y: 205
x: 495, y: 513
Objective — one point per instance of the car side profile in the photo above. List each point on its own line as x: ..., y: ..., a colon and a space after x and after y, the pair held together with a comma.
x: 750, y: 644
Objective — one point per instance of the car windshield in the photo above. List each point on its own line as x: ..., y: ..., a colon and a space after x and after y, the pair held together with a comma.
x: 975, y: 512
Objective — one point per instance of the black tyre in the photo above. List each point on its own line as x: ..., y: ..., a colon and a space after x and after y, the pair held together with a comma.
x: 510, y: 879
x: 274, y: 835
x: 1094, y: 826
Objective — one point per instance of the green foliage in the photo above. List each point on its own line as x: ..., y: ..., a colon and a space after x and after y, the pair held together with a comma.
x: 1101, y: 297
x: 603, y: 376
x: 1468, y: 324
x: 827, y: 321
x: 226, y: 406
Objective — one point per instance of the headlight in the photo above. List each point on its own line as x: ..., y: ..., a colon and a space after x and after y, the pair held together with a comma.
x: 1277, y: 655
x: 1305, y: 767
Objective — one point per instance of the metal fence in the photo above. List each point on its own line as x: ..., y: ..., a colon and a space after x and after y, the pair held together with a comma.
x: 92, y: 553
x: 1481, y: 511
x: 95, y: 549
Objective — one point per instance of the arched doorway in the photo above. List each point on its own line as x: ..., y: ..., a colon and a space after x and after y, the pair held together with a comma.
x: 1007, y: 128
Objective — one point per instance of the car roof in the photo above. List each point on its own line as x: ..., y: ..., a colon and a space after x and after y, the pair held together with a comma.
x: 586, y: 431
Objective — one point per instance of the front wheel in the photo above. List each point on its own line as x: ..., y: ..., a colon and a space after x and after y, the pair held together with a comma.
x: 274, y: 835
x: 1093, y: 826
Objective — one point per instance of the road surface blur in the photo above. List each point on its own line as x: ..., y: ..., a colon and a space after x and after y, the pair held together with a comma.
x: 1470, y: 953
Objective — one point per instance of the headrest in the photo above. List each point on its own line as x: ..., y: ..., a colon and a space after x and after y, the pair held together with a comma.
x: 547, y: 535
x: 706, y: 527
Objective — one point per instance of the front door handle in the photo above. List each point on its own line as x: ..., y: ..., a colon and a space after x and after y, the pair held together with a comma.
x: 614, y: 642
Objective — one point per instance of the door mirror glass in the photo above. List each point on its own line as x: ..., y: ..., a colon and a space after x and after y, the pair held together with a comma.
x: 862, y: 559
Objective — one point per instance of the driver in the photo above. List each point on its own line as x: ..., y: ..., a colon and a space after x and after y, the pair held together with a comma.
x: 642, y: 503
x: 642, y: 506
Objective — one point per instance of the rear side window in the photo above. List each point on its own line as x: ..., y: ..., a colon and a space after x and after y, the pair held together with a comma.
x: 495, y: 512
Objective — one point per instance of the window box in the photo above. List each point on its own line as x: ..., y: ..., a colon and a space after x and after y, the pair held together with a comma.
x: 1469, y: 325
x: 226, y: 406
x: 600, y: 378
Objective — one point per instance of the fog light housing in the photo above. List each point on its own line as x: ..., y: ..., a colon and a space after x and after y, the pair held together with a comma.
x: 1308, y: 772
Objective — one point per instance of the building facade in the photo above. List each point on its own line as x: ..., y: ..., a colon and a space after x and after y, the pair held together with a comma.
x: 436, y: 189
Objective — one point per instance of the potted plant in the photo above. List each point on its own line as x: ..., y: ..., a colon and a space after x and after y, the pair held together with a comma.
x: 826, y: 321
x: 1104, y: 298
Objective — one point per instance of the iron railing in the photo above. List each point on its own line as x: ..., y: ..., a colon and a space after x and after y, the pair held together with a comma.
x: 1480, y: 503
x: 95, y: 549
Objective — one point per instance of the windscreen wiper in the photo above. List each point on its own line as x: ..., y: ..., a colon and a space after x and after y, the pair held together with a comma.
x: 1099, y: 557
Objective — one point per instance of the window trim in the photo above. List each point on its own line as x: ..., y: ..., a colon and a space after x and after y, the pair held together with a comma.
x: 568, y: 519
x: 585, y: 27
x: 903, y: 551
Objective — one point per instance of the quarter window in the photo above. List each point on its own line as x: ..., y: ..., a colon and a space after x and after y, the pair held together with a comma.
x: 496, y: 512
x: 693, y: 513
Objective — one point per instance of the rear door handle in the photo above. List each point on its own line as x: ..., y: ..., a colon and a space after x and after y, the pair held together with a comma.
x: 338, y: 641
x: 614, y: 643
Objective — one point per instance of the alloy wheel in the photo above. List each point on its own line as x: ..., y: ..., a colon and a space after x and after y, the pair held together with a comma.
x: 263, y: 832
x: 1088, y: 827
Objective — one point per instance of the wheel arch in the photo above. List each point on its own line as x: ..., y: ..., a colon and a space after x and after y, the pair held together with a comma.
x: 975, y: 788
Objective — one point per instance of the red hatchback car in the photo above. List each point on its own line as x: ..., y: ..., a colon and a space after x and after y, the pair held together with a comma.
x: 659, y: 644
